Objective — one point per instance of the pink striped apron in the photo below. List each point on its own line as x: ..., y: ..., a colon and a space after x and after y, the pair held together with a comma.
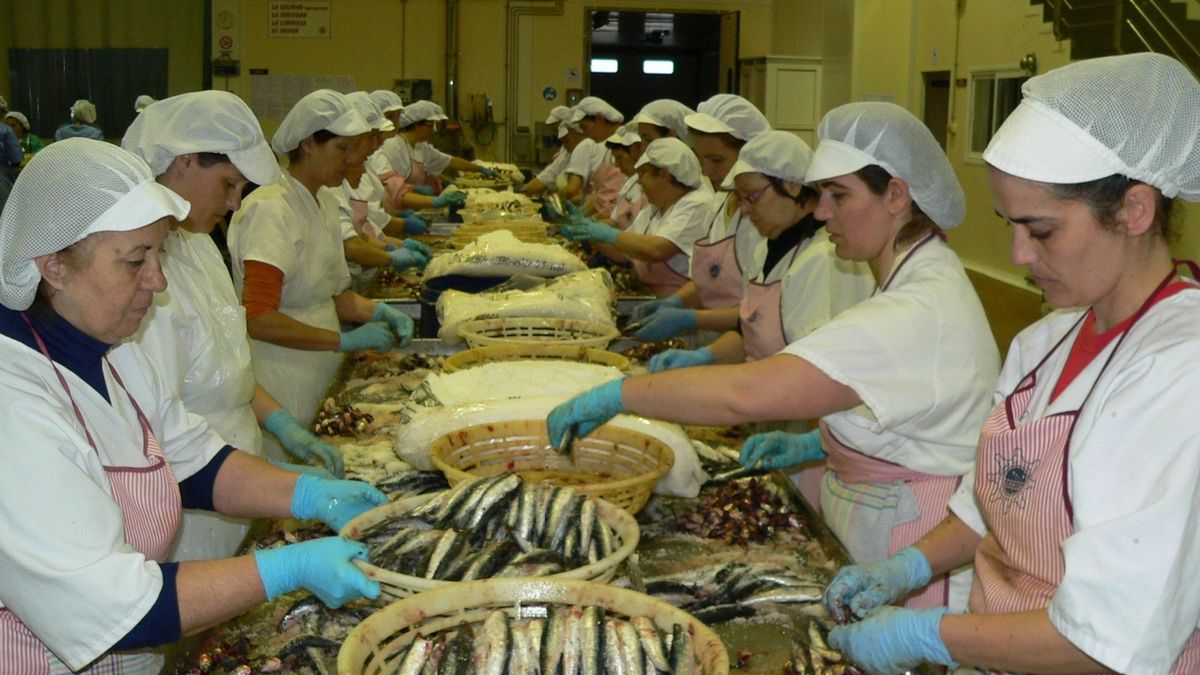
x: 151, y: 508
x: 659, y: 277
x: 394, y: 187
x: 625, y: 212
x: 603, y: 186
x: 1022, y: 492
x: 716, y: 270
x: 361, y: 223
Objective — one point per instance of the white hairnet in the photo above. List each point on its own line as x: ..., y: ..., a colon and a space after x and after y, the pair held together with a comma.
x: 387, y: 100
x: 361, y: 101
x: 667, y: 113
x: 626, y: 135
x: 142, y: 102
x: 1136, y: 115
x: 676, y: 157
x: 728, y: 114
x: 323, y: 109
x: 74, y: 188
x: 558, y: 114
x: 84, y: 110
x: 421, y: 111
x: 202, y: 121
x: 779, y: 154
x: 3, y: 103
x: 856, y: 135
x: 20, y: 118
x: 591, y: 105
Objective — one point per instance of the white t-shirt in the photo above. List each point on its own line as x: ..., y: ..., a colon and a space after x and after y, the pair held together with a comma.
x: 68, y: 572
x: 922, y: 358
x: 586, y: 158
x: 400, y: 156
x: 682, y: 224
x: 1130, y: 597
x: 549, y: 175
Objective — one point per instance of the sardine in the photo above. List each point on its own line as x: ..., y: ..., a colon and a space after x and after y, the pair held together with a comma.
x: 554, y: 639
x: 592, y: 641
x: 415, y: 657
x: 457, y: 659
x: 651, y: 640
x: 441, y: 552
x: 613, y: 663
x: 492, y: 646
x: 683, y: 655
x: 631, y: 648
x: 573, y: 647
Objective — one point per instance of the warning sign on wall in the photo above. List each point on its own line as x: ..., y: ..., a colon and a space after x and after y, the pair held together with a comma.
x: 300, y: 19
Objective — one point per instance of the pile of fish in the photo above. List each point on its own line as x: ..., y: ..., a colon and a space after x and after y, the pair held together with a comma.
x: 568, y: 640
x: 736, y: 590
x: 340, y: 420
x: 493, y: 526
x: 811, y: 655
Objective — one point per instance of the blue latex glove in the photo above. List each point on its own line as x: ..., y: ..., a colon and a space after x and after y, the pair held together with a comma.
x: 426, y: 190
x: 487, y: 171
x: 413, y: 224
x: 586, y: 411
x: 333, y: 502
x: 680, y: 358
x: 647, y: 308
x: 322, y: 566
x: 400, y: 323
x: 578, y: 228
x: 374, y: 335
x: 779, y: 449
x: 571, y: 208
x: 446, y: 199
x: 403, y: 258
x: 893, y: 640
x: 302, y: 443
x: 666, y: 322
x: 858, y: 589
x: 414, y: 245
x: 318, y: 471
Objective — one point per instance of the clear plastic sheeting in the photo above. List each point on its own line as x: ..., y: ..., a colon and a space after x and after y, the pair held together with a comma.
x: 587, y: 296
x: 412, y: 444
x: 500, y: 254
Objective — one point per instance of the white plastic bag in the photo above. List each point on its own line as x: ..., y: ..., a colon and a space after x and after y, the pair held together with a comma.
x: 500, y: 254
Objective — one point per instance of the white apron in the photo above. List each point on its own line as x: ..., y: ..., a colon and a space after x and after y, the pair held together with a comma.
x: 150, y: 506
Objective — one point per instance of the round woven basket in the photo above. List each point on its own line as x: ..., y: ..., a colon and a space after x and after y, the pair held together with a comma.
x: 533, y: 352
x: 529, y: 231
x: 615, y: 464
x: 371, y: 646
x: 537, y: 330
x: 397, y: 585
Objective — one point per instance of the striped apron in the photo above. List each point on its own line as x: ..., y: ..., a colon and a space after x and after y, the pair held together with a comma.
x: 604, y: 185
x: 1022, y: 492
x: 716, y: 270
x: 151, y: 507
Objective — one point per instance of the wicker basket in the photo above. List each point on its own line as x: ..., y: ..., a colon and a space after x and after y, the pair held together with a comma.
x: 397, y: 585
x: 387, y: 632
x: 537, y: 330
x: 529, y: 231
x: 483, y: 213
x: 615, y: 464
x: 534, y: 352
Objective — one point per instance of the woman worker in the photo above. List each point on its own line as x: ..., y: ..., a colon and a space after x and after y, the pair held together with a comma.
x: 389, y: 105
x: 592, y: 178
x: 659, y: 242
x: 204, y: 147
x: 19, y: 123
x: 709, y: 300
x: 897, y: 445
x: 626, y: 148
x: 82, y: 124
x: 289, y: 268
x: 99, y: 456
x: 1082, y: 511
x: 547, y: 179
x: 414, y: 159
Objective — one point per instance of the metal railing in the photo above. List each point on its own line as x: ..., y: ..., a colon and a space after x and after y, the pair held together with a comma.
x: 1134, y: 26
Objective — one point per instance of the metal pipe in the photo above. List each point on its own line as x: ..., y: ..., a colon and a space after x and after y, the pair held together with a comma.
x: 452, y: 59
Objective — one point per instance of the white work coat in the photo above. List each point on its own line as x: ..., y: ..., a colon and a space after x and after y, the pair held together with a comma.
x: 400, y: 155
x: 282, y: 225
x: 68, y: 572
x: 1130, y: 595
x: 682, y: 224
x: 549, y: 175
x: 195, y: 333
x: 921, y: 356
x: 815, y: 284
x: 587, y: 156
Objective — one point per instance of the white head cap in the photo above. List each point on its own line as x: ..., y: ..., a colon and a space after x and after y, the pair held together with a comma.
x: 387, y: 100
x: 421, y: 111
x: 856, y: 135
x: 323, y: 109
x: 558, y: 114
x: 626, y: 136
x: 779, y: 154
x: 728, y: 114
x: 142, y: 102
x: 591, y: 105
x: 3, y: 103
x: 1136, y: 115
x: 667, y: 113
x: 676, y: 157
x: 74, y: 188
x: 84, y: 110
x: 361, y: 101
x: 20, y: 118
x: 202, y: 121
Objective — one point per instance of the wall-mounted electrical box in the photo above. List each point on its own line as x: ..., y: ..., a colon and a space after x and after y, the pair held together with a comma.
x: 226, y: 67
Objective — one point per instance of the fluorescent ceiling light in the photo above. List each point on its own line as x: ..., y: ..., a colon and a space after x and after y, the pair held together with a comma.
x: 658, y: 67
x: 604, y: 65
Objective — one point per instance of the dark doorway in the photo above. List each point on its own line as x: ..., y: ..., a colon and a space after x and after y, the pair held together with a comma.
x: 624, y: 45
x: 937, y: 103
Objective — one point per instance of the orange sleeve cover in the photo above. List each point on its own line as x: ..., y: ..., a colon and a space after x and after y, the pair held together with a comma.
x: 262, y: 288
